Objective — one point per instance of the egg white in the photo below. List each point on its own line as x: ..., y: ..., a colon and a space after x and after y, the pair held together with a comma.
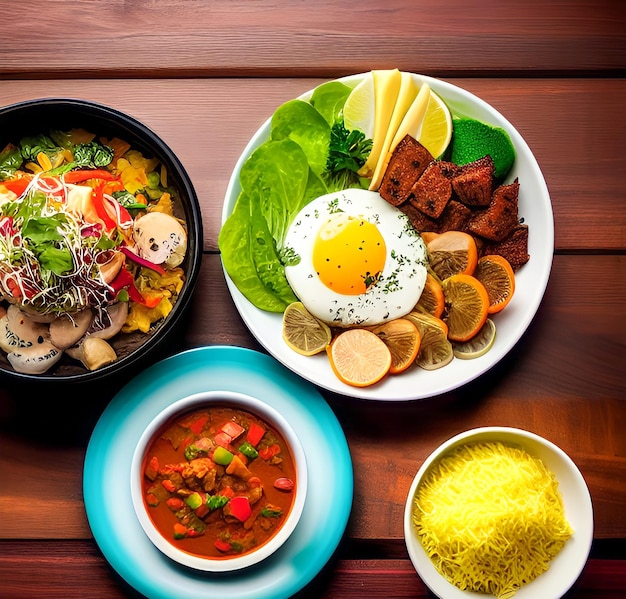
x: 402, y: 279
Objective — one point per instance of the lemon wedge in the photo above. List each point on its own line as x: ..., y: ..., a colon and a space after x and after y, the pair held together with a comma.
x: 358, y: 110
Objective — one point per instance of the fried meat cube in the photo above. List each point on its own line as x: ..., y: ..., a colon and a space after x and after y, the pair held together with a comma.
x: 473, y: 184
x: 514, y: 247
x: 432, y: 191
x: 454, y: 217
x: 421, y: 223
x: 497, y: 220
x: 408, y: 161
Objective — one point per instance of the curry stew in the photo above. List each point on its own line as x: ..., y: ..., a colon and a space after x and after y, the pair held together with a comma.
x: 218, y: 482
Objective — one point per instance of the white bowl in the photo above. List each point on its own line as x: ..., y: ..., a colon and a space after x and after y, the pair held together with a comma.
x: 205, y: 400
x: 565, y: 567
x: 531, y: 280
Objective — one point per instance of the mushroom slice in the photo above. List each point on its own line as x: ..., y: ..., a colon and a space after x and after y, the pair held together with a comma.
x: 118, y: 314
x: 93, y: 352
x: 19, y: 331
x: 66, y: 330
x: 111, y: 268
x: 160, y: 238
x: 35, y: 359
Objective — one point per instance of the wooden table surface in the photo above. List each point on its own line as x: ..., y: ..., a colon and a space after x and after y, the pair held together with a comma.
x: 204, y: 75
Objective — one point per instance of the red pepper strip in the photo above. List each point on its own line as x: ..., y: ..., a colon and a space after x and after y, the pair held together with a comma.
x: 101, y: 211
x: 124, y: 280
x: 85, y: 175
x: 255, y: 434
x: 239, y: 507
x: 222, y: 546
x: 17, y: 186
x: 196, y: 425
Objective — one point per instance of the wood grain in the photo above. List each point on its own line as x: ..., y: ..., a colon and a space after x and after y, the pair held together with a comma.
x: 141, y: 38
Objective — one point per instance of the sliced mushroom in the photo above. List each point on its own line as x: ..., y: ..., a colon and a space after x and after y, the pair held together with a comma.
x: 35, y: 359
x: 110, y: 269
x: 160, y: 238
x: 93, y: 352
x: 19, y: 331
x: 118, y: 314
x: 66, y: 330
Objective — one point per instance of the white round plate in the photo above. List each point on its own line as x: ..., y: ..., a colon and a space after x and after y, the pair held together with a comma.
x: 531, y: 279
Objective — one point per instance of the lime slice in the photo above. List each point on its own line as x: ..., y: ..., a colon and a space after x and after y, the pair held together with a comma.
x: 303, y: 332
x: 478, y: 345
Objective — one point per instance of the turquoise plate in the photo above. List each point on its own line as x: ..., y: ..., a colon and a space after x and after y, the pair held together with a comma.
x: 106, y: 485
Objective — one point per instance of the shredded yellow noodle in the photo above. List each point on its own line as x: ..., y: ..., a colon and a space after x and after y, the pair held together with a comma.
x: 490, y: 517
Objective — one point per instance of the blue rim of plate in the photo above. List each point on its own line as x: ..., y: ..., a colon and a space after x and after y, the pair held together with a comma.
x: 106, y: 476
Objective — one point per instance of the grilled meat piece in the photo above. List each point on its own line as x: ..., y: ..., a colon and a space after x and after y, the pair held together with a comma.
x: 473, y: 184
x: 514, y: 247
x: 432, y: 191
x: 497, y: 220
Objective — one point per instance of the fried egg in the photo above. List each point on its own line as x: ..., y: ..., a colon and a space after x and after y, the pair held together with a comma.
x: 354, y: 259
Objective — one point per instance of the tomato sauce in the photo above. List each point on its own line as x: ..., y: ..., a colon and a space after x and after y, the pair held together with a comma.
x: 218, y: 482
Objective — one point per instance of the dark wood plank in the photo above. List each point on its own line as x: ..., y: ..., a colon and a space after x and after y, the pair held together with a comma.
x: 570, y: 124
x: 57, y: 570
x: 545, y: 385
x: 168, y: 38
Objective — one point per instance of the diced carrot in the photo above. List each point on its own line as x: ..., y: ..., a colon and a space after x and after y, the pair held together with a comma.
x: 255, y: 434
x: 227, y: 492
x: 180, y: 531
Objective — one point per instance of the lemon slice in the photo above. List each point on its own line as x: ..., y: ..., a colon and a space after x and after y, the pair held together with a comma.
x: 479, y: 344
x: 358, y: 110
x: 435, y: 349
x: 304, y: 333
x: 436, y: 131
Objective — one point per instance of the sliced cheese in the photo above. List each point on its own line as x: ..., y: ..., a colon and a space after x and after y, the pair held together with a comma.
x: 386, y: 89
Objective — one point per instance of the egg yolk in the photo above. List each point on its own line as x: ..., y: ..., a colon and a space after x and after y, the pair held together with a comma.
x: 349, y: 254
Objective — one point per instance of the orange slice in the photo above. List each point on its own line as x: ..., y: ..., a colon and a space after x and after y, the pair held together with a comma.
x: 359, y: 357
x: 403, y: 340
x: 467, y: 304
x: 431, y: 301
x: 496, y: 274
x: 452, y: 253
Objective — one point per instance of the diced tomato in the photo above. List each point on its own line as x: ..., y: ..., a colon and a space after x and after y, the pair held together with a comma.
x: 255, y: 434
x: 232, y: 429
x: 152, y: 500
x: 152, y: 468
x: 175, y: 503
x: 168, y: 485
x: 222, y: 546
x: 226, y: 492
x: 269, y: 452
x: 196, y: 425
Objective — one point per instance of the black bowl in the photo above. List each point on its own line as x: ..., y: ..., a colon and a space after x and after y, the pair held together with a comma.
x: 41, y: 115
